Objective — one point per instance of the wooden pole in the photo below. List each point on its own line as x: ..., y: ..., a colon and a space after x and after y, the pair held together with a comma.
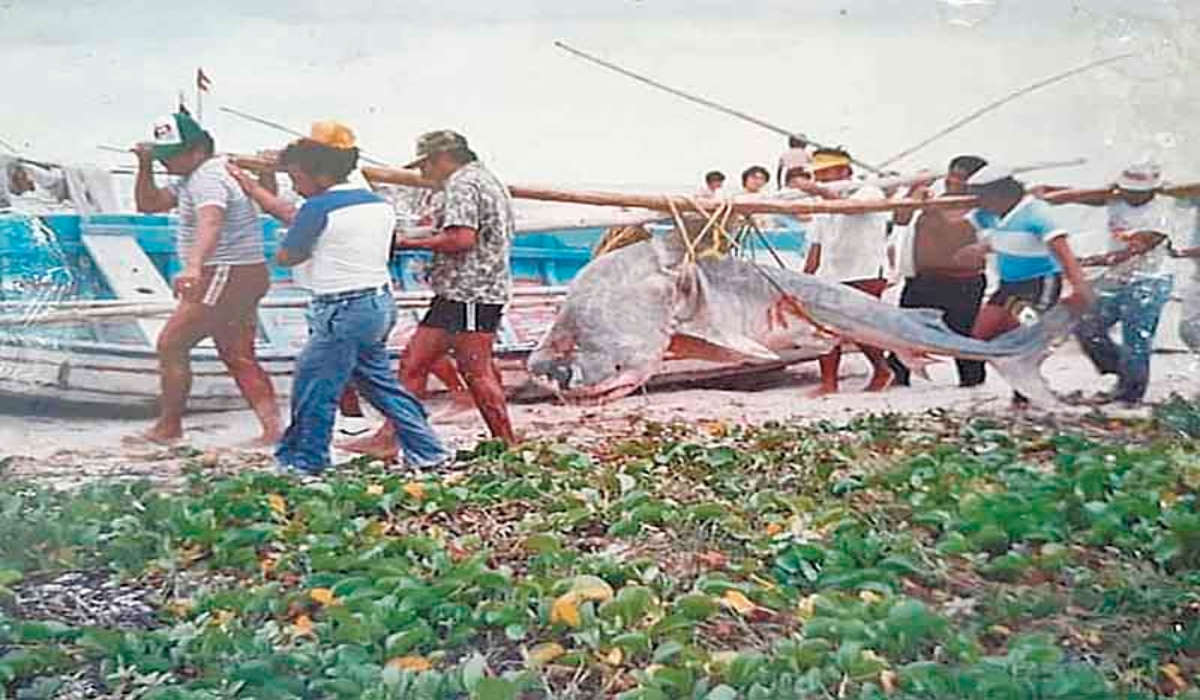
x: 702, y: 101
x: 665, y: 203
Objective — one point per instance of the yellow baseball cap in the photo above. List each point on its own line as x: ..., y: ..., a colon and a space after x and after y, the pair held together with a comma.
x: 333, y: 134
x: 821, y: 161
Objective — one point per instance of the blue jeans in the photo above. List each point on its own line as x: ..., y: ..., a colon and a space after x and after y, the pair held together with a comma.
x: 347, y: 341
x: 1136, y: 305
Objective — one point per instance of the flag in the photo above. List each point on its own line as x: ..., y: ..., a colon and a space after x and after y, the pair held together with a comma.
x: 202, y: 81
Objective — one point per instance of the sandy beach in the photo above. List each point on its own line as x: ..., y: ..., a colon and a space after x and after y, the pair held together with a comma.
x: 68, y: 451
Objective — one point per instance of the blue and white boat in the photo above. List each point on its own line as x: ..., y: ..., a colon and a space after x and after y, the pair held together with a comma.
x: 111, y: 273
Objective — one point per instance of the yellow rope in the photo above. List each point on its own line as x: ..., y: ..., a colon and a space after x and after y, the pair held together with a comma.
x: 619, y: 237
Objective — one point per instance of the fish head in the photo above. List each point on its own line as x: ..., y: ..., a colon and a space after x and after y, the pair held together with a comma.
x: 616, y: 323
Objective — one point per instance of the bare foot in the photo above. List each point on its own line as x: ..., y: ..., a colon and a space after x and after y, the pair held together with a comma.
x: 823, y: 390
x: 384, y: 453
x: 373, y: 441
x: 154, y: 436
x: 267, y: 439
x: 378, y: 446
x: 880, y: 381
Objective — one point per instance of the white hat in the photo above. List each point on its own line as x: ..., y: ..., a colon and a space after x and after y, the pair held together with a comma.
x: 990, y: 174
x: 1143, y: 177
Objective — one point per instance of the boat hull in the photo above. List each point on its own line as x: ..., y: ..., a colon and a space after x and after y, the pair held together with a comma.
x: 45, y: 379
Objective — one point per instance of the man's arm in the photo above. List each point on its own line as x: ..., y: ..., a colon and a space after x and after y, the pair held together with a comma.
x: 1098, y: 199
x: 1109, y: 259
x: 462, y: 218
x: 1186, y: 252
x: 1081, y: 292
x: 268, y: 200
x: 454, y: 239
x: 149, y: 197
x: 209, y: 220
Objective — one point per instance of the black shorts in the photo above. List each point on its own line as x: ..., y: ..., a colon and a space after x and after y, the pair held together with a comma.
x: 1039, y: 293
x: 463, y: 317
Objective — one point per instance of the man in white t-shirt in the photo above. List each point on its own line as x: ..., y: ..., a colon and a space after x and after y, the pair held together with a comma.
x: 1137, y: 285
x: 851, y: 249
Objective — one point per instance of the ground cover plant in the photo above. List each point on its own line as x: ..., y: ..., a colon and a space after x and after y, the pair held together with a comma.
x: 888, y: 557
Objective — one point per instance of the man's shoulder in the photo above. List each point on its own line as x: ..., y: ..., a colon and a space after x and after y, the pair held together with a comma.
x: 475, y: 175
x: 331, y: 200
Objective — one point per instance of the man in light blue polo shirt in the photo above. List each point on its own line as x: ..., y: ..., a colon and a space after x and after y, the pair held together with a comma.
x: 1032, y: 254
x: 343, y: 236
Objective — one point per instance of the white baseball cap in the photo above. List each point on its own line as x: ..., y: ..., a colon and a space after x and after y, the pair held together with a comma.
x: 1142, y: 177
x: 990, y: 174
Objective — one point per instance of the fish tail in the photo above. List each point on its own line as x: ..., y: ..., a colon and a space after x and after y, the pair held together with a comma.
x: 1023, y: 371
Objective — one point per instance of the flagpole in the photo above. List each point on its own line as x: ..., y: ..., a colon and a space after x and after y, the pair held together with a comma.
x: 200, y: 95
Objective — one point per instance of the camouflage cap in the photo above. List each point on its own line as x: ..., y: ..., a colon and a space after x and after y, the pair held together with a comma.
x: 435, y: 142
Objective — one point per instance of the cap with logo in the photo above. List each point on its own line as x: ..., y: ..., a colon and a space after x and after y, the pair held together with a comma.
x: 176, y: 134
x: 436, y: 142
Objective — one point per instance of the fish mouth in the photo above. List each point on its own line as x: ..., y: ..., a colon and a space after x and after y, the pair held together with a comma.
x: 617, y: 387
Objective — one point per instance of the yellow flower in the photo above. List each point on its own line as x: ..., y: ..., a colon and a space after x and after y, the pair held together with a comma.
x: 543, y: 654
x: 278, y: 505
x: 415, y: 664
x: 324, y: 596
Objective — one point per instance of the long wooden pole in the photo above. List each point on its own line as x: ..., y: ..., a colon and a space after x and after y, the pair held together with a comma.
x: 703, y: 101
x: 667, y: 203
x: 996, y: 104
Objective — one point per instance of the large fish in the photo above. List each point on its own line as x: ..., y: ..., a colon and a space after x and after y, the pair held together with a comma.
x: 628, y: 308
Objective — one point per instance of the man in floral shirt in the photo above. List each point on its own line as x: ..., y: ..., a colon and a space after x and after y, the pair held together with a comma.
x: 471, y: 279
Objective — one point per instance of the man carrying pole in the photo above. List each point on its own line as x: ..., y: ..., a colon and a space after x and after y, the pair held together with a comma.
x: 471, y: 279
x: 220, y: 243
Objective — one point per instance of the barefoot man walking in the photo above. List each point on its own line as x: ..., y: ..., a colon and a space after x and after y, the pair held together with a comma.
x: 220, y: 243
x: 471, y: 280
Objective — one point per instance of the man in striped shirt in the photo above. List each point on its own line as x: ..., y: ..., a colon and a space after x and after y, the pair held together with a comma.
x: 220, y: 244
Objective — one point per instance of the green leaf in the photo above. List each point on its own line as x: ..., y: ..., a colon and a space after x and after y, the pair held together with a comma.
x: 667, y: 650
x: 696, y: 606
x: 495, y: 689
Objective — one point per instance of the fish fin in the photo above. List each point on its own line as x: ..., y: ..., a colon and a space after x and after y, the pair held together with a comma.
x: 931, y: 318
x: 917, y: 363
x: 737, y: 343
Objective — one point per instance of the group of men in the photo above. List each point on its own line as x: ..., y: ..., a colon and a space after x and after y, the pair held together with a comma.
x: 339, y: 242
x: 941, y: 254
x: 340, y: 239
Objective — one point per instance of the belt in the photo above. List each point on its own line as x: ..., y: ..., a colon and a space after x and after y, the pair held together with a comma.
x: 351, y: 294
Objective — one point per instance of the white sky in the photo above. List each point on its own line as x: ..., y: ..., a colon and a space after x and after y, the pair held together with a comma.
x: 875, y: 75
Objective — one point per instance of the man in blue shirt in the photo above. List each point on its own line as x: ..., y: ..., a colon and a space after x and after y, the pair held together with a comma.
x: 341, y: 242
x: 1032, y: 254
